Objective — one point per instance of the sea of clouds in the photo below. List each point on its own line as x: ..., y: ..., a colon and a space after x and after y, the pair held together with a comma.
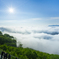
x: 43, y: 39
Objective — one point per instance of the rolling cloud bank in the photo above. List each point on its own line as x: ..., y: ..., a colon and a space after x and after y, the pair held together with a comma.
x: 42, y: 39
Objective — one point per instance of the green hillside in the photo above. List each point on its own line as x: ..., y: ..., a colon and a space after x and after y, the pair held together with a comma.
x: 7, y: 39
x: 8, y: 44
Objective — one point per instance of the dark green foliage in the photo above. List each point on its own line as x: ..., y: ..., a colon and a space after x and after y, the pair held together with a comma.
x: 7, y: 39
x: 27, y: 53
x: 7, y: 35
x: 0, y: 33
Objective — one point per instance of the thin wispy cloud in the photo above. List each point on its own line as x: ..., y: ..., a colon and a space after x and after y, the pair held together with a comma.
x: 54, y: 18
x: 36, y: 19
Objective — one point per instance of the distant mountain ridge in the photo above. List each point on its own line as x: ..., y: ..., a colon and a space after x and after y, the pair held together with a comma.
x: 2, y: 29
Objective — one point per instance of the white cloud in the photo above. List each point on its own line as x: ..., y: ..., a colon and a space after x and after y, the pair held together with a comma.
x: 54, y: 18
x: 43, y: 36
x: 36, y: 19
x: 39, y: 41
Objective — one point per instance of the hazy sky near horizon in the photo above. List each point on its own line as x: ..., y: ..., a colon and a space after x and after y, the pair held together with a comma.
x: 29, y: 12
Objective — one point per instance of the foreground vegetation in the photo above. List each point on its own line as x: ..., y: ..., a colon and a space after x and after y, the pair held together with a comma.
x: 7, y: 39
x: 27, y: 53
x: 8, y: 44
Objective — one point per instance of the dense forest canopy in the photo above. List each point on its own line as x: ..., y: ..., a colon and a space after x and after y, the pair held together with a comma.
x: 7, y: 39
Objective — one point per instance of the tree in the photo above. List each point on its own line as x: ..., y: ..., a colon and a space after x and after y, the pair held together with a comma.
x: 20, y: 45
x: 0, y: 33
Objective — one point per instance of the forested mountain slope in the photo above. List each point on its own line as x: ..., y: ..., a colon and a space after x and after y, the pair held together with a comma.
x: 7, y: 39
x: 8, y: 44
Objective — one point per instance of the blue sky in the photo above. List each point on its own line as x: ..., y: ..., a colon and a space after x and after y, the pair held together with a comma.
x: 29, y: 12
